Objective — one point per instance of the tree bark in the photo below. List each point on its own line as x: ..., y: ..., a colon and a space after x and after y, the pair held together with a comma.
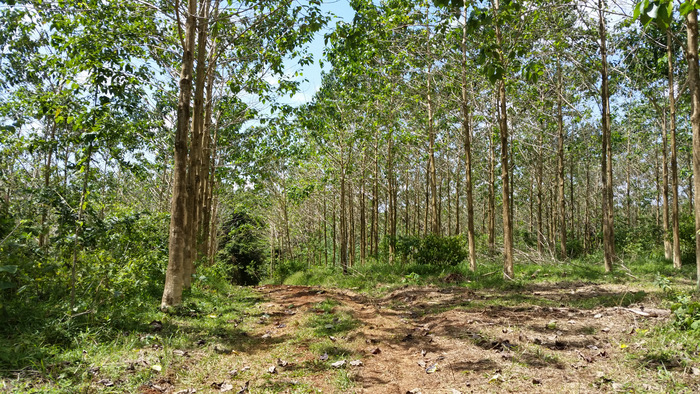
x: 606, y: 165
x: 174, y: 275
x: 676, y: 252
x: 560, y: 166
x: 694, y: 84
x: 467, y: 135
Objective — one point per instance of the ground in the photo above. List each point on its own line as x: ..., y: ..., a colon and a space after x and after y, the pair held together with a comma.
x: 451, y: 340
x: 546, y: 337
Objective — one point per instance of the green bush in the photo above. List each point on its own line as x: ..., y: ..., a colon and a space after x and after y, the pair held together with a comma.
x: 242, y: 248
x: 431, y: 250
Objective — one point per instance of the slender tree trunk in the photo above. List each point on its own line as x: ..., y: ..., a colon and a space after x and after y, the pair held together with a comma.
x: 694, y: 83
x: 343, y: 226
x: 174, y: 275
x: 351, y: 224
x: 325, y: 230
x: 363, y: 220
x: 606, y: 166
x: 47, y: 181
x: 492, y: 195
x: 374, y: 242
x: 560, y: 167
x: 467, y: 135
x: 676, y: 252
x: 505, y: 167
x: 540, y: 196
x: 392, y: 194
x: 80, y: 225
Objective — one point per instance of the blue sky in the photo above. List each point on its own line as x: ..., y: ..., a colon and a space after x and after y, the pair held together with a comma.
x: 342, y: 11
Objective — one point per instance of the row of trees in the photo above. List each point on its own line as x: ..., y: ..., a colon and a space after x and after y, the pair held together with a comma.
x: 553, y: 125
x: 432, y: 117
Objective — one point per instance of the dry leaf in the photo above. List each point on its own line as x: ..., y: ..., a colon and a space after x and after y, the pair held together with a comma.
x: 106, y: 382
x: 338, y: 364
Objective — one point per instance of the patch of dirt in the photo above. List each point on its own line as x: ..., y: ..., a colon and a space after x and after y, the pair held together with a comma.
x: 430, y: 340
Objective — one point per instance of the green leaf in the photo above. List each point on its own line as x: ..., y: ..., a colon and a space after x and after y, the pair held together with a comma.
x: 8, y: 268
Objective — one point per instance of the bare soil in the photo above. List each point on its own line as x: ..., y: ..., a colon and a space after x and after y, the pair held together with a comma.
x: 424, y: 339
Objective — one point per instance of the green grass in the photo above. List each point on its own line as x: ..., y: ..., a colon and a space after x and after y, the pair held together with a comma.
x: 67, y: 354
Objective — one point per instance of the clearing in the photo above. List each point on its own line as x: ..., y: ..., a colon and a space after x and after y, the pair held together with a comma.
x: 452, y: 339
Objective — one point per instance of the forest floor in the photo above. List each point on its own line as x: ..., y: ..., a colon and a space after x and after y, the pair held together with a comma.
x: 452, y: 339
x: 571, y: 336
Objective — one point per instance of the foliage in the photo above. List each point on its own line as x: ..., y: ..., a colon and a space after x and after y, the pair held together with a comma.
x: 431, y: 250
x: 242, y: 248
x: 686, y: 313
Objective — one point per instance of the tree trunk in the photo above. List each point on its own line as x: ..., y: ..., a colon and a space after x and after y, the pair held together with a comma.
x: 694, y: 83
x: 467, y: 135
x: 79, y: 224
x: 174, y: 275
x: 560, y: 167
x: 606, y: 165
x: 363, y: 220
x: 676, y: 252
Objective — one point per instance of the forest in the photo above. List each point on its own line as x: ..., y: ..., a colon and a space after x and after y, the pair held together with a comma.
x: 477, y: 196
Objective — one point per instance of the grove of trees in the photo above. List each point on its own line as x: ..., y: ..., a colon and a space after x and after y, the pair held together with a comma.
x: 144, y: 141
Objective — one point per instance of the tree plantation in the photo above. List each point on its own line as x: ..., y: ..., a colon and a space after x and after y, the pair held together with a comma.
x: 363, y: 196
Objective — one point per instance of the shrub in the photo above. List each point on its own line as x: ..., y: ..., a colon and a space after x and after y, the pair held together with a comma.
x: 242, y: 248
x: 431, y: 250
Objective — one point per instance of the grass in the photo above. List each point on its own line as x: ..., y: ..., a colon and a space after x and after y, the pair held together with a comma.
x: 65, y: 355
x: 211, y: 334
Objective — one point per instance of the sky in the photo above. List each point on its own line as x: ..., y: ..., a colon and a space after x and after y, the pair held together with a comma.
x: 341, y: 11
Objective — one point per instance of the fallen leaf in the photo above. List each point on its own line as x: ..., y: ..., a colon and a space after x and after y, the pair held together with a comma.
x: 226, y: 387
x: 106, y: 382
x: 695, y: 370
x: 497, y: 378
x: 356, y: 363
x: 338, y: 364
x: 265, y: 336
x: 422, y: 364
x: 156, y: 367
x: 233, y: 373
x: 180, y: 353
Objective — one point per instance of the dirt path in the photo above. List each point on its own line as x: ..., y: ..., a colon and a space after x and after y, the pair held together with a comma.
x: 432, y: 340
